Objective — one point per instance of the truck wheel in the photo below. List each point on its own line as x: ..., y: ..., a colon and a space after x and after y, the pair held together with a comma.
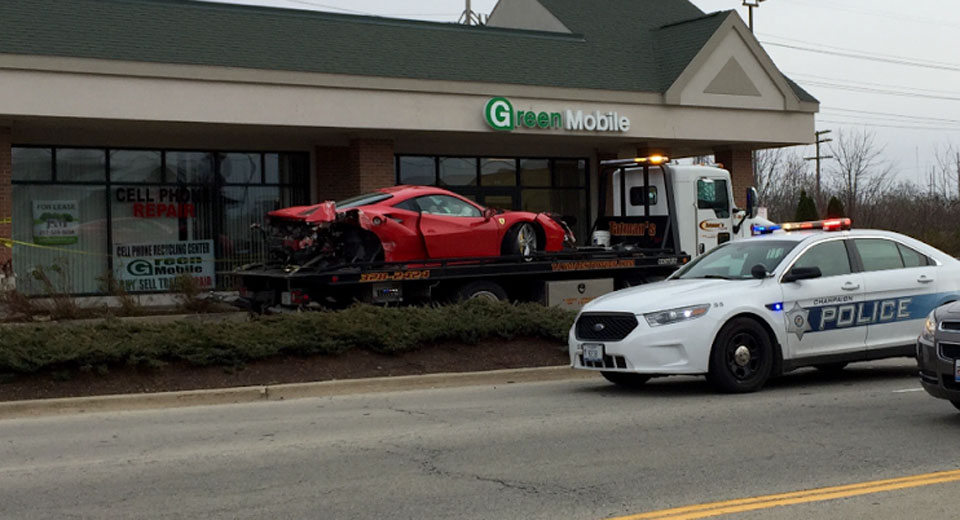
x: 626, y: 380
x: 520, y: 240
x: 741, y: 359
x: 481, y: 290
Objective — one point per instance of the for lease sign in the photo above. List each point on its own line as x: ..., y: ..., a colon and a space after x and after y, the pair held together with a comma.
x: 152, y: 267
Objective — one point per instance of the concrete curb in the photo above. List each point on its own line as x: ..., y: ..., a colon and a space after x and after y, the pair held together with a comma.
x: 249, y: 394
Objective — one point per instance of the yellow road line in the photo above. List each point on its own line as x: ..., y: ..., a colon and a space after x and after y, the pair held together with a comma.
x: 795, y: 497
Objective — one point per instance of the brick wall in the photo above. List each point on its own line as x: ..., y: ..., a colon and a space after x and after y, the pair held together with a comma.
x: 6, y: 197
x: 333, y: 180
x: 372, y: 163
x: 345, y: 171
x: 740, y: 165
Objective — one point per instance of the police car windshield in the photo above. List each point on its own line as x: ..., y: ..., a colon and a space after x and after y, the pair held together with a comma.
x: 734, y: 260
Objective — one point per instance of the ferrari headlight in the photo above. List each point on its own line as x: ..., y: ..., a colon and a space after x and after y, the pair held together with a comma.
x: 929, y: 328
x: 655, y: 319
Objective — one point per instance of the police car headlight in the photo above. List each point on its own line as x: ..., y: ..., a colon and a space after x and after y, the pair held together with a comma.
x: 655, y: 319
x: 929, y: 328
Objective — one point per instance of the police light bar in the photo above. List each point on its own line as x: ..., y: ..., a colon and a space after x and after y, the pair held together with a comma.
x: 757, y: 229
x: 835, y: 224
x: 652, y: 159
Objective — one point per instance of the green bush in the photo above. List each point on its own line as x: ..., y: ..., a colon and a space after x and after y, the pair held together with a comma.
x: 27, y: 349
x: 806, y: 208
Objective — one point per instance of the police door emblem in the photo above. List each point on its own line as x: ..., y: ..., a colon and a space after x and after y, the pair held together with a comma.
x: 798, y: 321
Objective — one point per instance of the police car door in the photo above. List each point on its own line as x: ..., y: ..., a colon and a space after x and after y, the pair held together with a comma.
x: 901, y: 291
x: 820, y: 313
x: 713, y: 213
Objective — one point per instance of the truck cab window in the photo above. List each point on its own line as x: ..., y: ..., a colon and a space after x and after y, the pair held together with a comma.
x: 712, y: 194
x: 636, y: 195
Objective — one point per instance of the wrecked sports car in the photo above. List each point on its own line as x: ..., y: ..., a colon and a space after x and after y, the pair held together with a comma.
x: 408, y: 223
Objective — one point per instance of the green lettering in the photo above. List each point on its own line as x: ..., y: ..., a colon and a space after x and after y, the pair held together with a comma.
x: 556, y: 120
x: 530, y: 119
x: 543, y: 120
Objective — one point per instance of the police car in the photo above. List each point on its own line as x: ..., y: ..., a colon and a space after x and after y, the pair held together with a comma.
x: 810, y: 294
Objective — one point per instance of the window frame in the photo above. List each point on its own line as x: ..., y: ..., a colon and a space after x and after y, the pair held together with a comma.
x: 854, y: 262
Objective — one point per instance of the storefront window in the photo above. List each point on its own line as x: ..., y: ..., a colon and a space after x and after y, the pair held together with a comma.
x: 458, y: 171
x: 569, y: 174
x: 535, y: 172
x: 420, y: 171
x: 195, y: 220
x: 498, y: 172
x: 32, y: 164
x: 190, y: 167
x: 60, y: 234
x: 240, y: 168
x: 135, y: 166
x: 81, y: 165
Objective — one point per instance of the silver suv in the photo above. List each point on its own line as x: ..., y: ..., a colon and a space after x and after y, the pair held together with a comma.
x: 938, y: 353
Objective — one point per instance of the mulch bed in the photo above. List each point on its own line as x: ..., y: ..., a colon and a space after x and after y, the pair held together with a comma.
x: 354, y: 364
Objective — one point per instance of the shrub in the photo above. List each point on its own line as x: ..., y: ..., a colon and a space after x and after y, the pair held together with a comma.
x: 27, y: 349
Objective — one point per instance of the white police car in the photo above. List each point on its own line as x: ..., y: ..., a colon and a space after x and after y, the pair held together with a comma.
x: 815, y: 295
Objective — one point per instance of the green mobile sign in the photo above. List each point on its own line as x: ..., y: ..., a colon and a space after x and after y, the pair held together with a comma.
x: 501, y: 116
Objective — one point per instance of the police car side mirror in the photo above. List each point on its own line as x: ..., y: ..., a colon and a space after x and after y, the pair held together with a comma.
x: 758, y: 271
x: 802, y: 273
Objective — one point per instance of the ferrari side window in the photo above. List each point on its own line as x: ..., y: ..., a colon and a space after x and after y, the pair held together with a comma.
x: 409, y: 205
x: 447, y: 206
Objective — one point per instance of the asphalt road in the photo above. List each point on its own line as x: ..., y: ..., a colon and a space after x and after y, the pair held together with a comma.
x: 560, y: 450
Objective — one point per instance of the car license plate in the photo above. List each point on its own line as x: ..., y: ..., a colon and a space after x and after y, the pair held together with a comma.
x: 956, y: 370
x: 592, y: 352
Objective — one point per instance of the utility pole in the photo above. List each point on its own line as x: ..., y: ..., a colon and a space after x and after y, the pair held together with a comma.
x: 470, y: 17
x: 820, y: 141
x: 750, y: 4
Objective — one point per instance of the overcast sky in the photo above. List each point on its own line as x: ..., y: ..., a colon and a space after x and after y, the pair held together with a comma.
x: 890, y: 66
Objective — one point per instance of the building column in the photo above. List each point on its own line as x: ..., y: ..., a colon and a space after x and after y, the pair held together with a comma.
x: 372, y: 163
x: 333, y: 179
x: 6, y: 201
x: 347, y: 171
x: 739, y: 162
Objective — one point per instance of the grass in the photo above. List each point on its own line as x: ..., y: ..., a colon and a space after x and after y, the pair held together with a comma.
x: 391, y: 330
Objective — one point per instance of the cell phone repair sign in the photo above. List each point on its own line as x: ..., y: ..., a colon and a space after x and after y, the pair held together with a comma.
x: 153, y: 267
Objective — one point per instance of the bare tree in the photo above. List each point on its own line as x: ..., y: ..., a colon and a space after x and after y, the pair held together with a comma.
x: 780, y: 175
x: 945, y: 174
x: 860, y: 173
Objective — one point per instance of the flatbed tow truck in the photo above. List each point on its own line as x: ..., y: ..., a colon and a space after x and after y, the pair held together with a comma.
x: 661, y: 212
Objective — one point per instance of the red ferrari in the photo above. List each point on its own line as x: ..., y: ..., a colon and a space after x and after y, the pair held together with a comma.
x: 407, y: 223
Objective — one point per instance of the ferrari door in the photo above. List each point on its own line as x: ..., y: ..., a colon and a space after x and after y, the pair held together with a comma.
x: 455, y: 228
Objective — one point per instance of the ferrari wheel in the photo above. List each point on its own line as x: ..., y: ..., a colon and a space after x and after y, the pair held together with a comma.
x: 521, y: 240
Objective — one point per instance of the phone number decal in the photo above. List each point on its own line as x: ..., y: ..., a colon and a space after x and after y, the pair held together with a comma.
x: 396, y: 276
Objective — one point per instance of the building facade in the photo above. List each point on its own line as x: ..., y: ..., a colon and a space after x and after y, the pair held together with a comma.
x: 140, y: 139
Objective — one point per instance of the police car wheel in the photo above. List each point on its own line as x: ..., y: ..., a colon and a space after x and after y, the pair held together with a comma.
x: 956, y: 404
x: 831, y: 368
x: 742, y: 357
x: 626, y: 380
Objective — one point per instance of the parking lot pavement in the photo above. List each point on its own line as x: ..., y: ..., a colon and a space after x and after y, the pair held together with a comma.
x: 579, y: 449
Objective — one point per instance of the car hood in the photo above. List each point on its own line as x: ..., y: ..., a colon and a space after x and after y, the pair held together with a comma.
x: 668, y: 294
x: 951, y: 311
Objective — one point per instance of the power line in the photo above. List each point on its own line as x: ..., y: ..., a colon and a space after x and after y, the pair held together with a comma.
x: 926, y: 119
x: 878, y: 125
x: 897, y: 17
x: 895, y: 61
x: 818, y: 45
x: 888, y: 92
x: 804, y: 77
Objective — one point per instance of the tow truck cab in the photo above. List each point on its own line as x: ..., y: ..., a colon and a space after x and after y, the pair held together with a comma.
x: 700, y: 198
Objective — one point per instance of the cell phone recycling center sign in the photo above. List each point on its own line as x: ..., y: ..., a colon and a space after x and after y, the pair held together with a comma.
x: 153, y: 267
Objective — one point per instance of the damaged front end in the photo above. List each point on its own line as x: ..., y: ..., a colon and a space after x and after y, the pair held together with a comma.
x: 320, y: 237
